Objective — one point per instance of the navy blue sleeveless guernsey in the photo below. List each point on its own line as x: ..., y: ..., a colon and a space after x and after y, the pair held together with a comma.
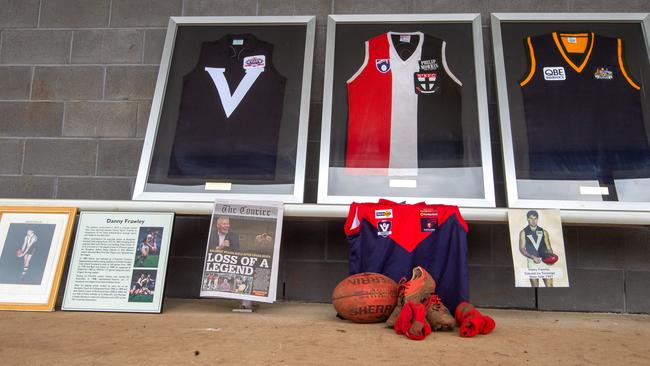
x: 583, y: 110
x: 391, y: 239
x: 230, y: 113
x: 535, y: 243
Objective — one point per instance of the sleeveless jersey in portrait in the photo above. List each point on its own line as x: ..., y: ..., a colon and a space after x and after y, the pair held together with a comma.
x: 535, y: 244
x: 404, y: 107
x: 230, y: 113
x: 583, y: 110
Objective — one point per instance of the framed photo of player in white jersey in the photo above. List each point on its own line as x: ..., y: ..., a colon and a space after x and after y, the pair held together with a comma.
x: 33, y: 245
x: 230, y: 111
x: 573, y: 109
x: 405, y: 110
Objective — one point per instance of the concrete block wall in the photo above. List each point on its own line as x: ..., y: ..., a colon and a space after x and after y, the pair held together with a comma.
x: 76, y: 82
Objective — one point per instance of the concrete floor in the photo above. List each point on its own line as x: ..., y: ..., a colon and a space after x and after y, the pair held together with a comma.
x: 207, y: 332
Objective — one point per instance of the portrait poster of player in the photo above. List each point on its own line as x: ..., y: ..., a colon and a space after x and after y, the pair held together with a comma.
x: 119, y: 262
x: 537, y: 244
x: 33, y: 242
x: 242, y: 253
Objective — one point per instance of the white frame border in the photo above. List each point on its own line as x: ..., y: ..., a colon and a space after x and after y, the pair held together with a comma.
x: 512, y: 194
x: 481, y: 91
x: 139, y: 191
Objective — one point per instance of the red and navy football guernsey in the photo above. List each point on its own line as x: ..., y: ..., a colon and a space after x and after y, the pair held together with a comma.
x: 391, y: 238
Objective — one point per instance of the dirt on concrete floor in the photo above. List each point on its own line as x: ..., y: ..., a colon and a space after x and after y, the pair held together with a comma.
x: 207, y: 332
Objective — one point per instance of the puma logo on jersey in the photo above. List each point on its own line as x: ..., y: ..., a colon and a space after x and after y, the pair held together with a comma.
x: 554, y: 73
x: 230, y: 101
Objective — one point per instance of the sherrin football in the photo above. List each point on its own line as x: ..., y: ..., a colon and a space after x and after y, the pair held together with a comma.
x: 365, y: 297
x: 550, y: 259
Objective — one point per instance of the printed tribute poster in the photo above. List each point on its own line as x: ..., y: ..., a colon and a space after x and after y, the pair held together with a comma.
x: 119, y: 262
x: 537, y: 244
x: 242, y: 254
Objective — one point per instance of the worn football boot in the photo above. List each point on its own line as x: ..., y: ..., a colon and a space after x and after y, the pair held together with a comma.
x: 438, y: 315
x: 417, y: 290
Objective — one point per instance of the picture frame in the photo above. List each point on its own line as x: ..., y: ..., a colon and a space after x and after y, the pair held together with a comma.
x: 119, y: 262
x: 214, y: 133
x: 33, y: 245
x: 596, y: 166
x: 453, y: 161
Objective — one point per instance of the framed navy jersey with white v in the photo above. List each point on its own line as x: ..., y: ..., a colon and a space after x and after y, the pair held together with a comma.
x: 571, y: 105
x: 230, y: 113
x: 405, y: 110
x: 234, y: 90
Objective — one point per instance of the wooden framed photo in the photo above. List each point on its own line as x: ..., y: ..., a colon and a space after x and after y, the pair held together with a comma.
x: 33, y: 243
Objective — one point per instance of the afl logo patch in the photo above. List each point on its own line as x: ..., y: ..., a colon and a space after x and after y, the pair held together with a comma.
x: 254, y: 62
x: 384, y: 214
x: 383, y: 65
x: 554, y: 73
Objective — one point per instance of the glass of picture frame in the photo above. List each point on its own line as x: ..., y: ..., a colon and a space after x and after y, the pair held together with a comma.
x: 573, y: 111
x: 230, y: 110
x: 405, y: 110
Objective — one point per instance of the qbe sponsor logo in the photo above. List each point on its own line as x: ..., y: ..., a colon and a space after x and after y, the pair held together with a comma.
x: 554, y: 73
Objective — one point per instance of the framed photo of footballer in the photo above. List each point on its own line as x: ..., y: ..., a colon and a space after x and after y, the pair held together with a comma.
x: 573, y: 109
x: 230, y: 111
x: 33, y: 245
x: 405, y: 110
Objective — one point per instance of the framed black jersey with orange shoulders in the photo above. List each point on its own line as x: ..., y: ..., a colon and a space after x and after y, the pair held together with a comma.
x: 405, y: 110
x: 230, y: 111
x: 573, y: 109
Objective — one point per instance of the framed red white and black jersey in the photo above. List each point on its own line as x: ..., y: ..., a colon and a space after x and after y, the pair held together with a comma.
x: 230, y: 111
x: 573, y: 109
x: 405, y: 110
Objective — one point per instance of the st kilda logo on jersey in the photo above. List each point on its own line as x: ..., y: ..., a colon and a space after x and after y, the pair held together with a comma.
x: 426, y: 82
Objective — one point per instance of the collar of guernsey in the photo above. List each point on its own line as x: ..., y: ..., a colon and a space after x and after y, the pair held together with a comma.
x: 405, y: 220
